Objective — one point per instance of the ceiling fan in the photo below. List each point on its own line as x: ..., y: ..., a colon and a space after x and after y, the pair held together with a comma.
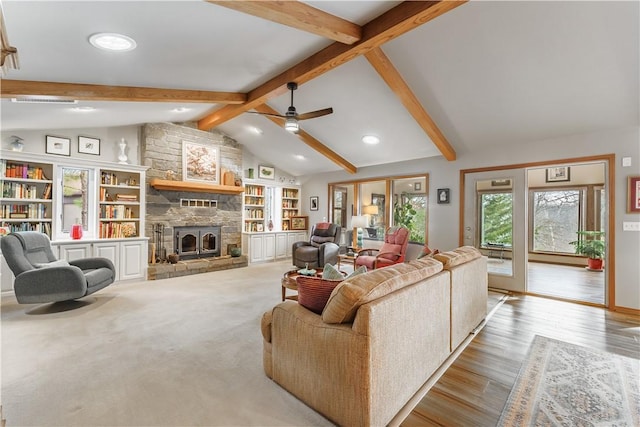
x: 292, y: 117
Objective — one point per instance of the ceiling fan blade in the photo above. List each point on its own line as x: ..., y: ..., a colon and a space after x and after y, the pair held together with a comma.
x: 314, y: 114
x: 268, y: 114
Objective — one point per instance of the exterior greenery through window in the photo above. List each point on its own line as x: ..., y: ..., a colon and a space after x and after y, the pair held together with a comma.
x: 556, y: 219
x: 496, y: 218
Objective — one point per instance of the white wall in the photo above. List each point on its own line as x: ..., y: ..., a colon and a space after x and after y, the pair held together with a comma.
x: 35, y: 141
x: 444, y: 219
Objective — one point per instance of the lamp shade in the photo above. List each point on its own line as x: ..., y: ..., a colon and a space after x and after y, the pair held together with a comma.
x: 359, y: 221
x: 370, y: 210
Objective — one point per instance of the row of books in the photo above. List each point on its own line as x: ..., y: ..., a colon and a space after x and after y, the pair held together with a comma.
x: 20, y: 170
x: 109, y: 178
x: 116, y: 212
x: 43, y: 227
x: 31, y: 211
x: 16, y: 190
x: 126, y: 198
x: 114, y: 230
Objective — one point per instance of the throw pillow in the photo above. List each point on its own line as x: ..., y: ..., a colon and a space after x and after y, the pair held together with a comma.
x: 359, y: 270
x: 329, y: 272
x: 314, y: 292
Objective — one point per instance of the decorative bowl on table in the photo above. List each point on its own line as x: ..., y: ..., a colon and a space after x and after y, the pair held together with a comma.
x: 306, y: 271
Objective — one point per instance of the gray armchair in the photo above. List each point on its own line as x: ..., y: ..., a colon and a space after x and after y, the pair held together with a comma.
x: 41, y: 278
x: 322, y: 247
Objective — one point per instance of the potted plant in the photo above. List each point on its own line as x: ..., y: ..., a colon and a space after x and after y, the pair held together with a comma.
x: 592, y: 245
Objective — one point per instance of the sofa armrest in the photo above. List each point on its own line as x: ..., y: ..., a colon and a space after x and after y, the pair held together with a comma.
x: 93, y: 263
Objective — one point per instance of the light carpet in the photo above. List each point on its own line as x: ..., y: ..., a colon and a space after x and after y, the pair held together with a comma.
x: 562, y: 384
x: 175, y: 352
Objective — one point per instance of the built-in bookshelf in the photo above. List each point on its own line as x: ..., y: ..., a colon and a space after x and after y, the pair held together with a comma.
x: 26, y: 191
x: 119, y: 204
x: 254, y: 204
x: 290, y: 206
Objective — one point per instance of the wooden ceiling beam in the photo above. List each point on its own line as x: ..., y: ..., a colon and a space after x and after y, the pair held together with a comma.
x: 394, y: 80
x: 300, y: 16
x: 88, y: 92
x: 395, y: 22
x: 309, y: 140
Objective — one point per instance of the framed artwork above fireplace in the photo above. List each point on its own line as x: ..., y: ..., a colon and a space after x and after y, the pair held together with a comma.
x: 200, y: 163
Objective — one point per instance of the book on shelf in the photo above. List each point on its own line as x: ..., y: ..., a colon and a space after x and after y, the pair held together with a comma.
x: 46, y: 193
x: 126, y: 198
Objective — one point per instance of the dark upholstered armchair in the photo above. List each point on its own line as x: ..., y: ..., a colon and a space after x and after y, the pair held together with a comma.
x: 322, y: 247
x: 41, y: 278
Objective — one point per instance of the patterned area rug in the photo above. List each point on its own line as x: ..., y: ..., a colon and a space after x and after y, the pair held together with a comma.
x: 561, y: 384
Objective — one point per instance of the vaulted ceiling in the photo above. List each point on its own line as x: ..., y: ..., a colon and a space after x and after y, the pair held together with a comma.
x: 428, y: 78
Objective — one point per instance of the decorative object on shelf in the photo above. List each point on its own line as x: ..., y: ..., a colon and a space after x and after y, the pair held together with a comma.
x: 122, y: 157
x: 58, y: 145
x: 170, y: 175
x: 16, y: 143
x: 633, y: 194
x: 358, y: 222
x: 89, y: 145
x: 76, y: 231
x: 4, y: 231
x: 443, y: 195
x: 250, y: 173
x: 200, y: 163
x: 270, y: 225
x: 266, y: 172
x: 314, y: 203
x: 299, y: 222
x: 558, y: 174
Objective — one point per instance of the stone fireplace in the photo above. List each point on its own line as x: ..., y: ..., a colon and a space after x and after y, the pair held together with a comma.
x: 180, y: 212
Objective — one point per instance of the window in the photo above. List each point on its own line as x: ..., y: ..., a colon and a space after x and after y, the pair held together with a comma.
x: 556, y: 219
x: 77, y: 199
x: 410, y: 207
x: 496, y: 218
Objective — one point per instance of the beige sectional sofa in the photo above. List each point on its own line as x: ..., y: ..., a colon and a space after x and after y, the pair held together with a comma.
x: 379, y: 338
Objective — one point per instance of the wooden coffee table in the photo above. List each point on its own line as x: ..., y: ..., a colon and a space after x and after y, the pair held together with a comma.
x: 348, y: 259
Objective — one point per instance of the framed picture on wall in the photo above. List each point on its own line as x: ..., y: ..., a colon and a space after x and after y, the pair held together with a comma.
x: 200, y: 163
x: 58, y: 145
x: 266, y: 172
x: 89, y: 145
x: 299, y: 222
x: 633, y: 194
x: 443, y: 195
x: 558, y: 174
x: 314, y: 203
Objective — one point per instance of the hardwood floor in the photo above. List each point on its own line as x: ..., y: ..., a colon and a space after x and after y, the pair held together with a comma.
x: 474, y: 390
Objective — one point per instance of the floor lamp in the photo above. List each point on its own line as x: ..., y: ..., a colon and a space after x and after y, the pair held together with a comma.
x: 358, y: 223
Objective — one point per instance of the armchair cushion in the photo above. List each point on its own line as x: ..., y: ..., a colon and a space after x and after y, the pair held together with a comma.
x: 319, y: 240
x: 390, y: 251
x: 59, y: 263
x: 352, y: 293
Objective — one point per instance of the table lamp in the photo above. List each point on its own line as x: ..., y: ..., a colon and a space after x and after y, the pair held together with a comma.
x: 358, y: 222
x: 371, y: 211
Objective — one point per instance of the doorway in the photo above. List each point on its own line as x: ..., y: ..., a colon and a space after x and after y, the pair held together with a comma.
x: 525, y: 264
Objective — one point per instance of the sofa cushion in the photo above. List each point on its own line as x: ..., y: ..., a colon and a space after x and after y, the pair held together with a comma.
x: 313, y: 292
x: 458, y: 256
x: 352, y: 293
x: 329, y: 272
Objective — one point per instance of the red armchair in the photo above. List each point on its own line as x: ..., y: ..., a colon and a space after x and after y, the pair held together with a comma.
x: 391, y: 252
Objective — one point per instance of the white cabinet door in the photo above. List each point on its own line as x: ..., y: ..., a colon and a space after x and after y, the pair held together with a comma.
x: 269, y: 247
x: 75, y: 251
x: 133, y: 257
x: 281, y: 245
x: 109, y: 250
x: 6, y: 275
x: 256, y: 247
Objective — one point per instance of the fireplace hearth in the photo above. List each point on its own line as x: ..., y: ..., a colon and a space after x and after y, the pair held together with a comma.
x: 192, y: 242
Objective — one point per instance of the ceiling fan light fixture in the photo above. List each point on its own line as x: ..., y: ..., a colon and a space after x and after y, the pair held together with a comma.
x: 112, y: 42
x: 291, y: 124
x: 370, y: 139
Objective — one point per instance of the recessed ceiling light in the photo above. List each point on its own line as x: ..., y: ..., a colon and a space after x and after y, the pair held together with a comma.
x: 112, y: 42
x: 180, y: 110
x: 299, y: 156
x: 256, y: 130
x: 83, y: 109
x: 370, y: 139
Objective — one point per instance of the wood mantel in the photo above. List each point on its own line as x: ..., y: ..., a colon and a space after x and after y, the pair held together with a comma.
x: 196, y: 187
